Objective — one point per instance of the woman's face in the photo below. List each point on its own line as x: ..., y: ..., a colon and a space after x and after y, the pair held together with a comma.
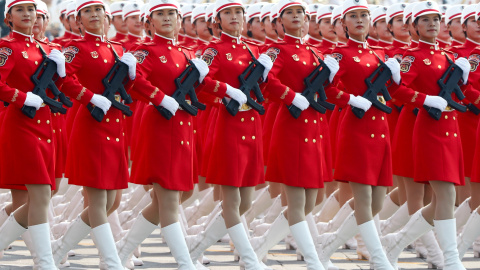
x: 22, y: 17
x: 382, y: 30
x: 455, y: 27
x: 357, y: 23
x: 443, y: 34
x: 39, y: 25
x: 201, y: 28
x: 92, y: 18
x: 231, y: 19
x: 257, y: 29
x: 472, y: 28
x: 428, y: 26
x: 267, y: 26
x: 106, y: 25
x: 399, y: 29
x: 327, y: 30
x: 134, y: 25
x: 165, y: 22
x: 293, y: 18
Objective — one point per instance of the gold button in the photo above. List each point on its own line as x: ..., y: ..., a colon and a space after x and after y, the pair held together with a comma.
x: 188, y: 143
x: 439, y: 66
x: 108, y: 138
x: 244, y: 47
x: 368, y: 65
x: 373, y: 135
x: 49, y: 141
x: 123, y: 133
x: 181, y: 123
x: 249, y: 62
x: 118, y: 120
x: 370, y: 52
x: 297, y: 46
x: 37, y: 46
x: 177, y: 65
x: 252, y: 118
x: 359, y: 51
x: 314, y: 64
x: 194, y: 131
x: 169, y: 47
x: 321, y: 136
x: 108, y: 46
x: 455, y: 134
x: 233, y: 46
x: 383, y: 135
x: 454, y: 118
x: 446, y: 133
x: 48, y: 122
x: 383, y: 118
x: 314, y: 121
x: 314, y: 141
x: 373, y: 117
x: 431, y: 47
x: 240, y: 62
x: 54, y: 131
x: 189, y: 123
x: 306, y: 120
x: 107, y: 120
x: 253, y: 137
x: 446, y: 116
x: 38, y: 121
x: 39, y: 138
x: 378, y: 64
x: 321, y: 119
x: 243, y: 137
x: 443, y: 53
x: 36, y: 62
x: 306, y: 140
x: 308, y: 48
x: 60, y: 130
x: 181, y: 142
x: 243, y: 119
x: 28, y: 45
x: 179, y: 49
x: 105, y: 61
x: 305, y: 63
x: 98, y: 45
x: 431, y: 52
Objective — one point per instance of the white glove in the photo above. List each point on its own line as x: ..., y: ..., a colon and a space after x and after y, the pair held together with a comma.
x: 101, y: 102
x: 394, y: 67
x: 360, y: 102
x: 436, y: 102
x: 332, y: 65
x: 33, y: 100
x: 300, y: 102
x: 202, y: 68
x: 463, y: 63
x: 170, y: 104
x: 236, y: 94
x: 131, y: 62
x: 58, y: 57
x: 266, y: 61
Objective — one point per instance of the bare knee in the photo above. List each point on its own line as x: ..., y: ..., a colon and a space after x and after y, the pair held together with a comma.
x: 244, y: 206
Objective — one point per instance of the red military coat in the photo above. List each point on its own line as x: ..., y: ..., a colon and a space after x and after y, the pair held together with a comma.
x: 237, y: 157
x: 363, y: 145
x: 28, y: 145
x: 437, y: 148
x: 96, y: 153
x: 297, y: 153
x: 165, y: 153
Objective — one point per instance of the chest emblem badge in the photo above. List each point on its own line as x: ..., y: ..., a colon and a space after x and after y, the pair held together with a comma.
x: 94, y: 54
x: 295, y: 57
x: 229, y: 56
x: 356, y: 59
x: 427, y: 62
x: 163, y: 59
x: 25, y: 54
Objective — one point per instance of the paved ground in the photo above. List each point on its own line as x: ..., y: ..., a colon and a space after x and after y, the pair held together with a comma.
x: 155, y: 255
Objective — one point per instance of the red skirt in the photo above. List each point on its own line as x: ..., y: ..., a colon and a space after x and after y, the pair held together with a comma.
x: 437, y: 149
x: 211, y: 123
x: 137, y: 119
x: 333, y: 123
x: 392, y: 117
x: 402, y: 147
x: 58, y: 123
x: 476, y: 160
x: 71, y: 113
x: 364, y: 153
x: 296, y: 156
x: 164, y: 155
x: 468, y: 123
x: 237, y: 153
x: 28, y: 148
x: 326, y: 149
x: 96, y: 154
x: 270, y: 117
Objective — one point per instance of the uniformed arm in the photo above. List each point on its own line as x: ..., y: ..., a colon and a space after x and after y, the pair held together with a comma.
x: 277, y: 91
x: 71, y: 86
x: 409, y: 72
x: 209, y: 84
x: 142, y: 85
x: 472, y: 94
x: 7, y: 63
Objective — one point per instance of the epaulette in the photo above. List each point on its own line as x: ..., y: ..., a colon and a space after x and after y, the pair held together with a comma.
x: 8, y: 39
x: 413, y: 49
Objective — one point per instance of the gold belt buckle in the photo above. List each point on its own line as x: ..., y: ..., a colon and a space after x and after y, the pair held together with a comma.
x: 245, y: 108
x: 188, y: 102
x: 381, y: 99
x: 449, y: 109
x: 118, y: 98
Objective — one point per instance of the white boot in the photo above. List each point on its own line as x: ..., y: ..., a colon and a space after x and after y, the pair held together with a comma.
x: 447, y: 239
x: 396, y: 221
x: 114, y: 222
x: 240, y: 240
x: 40, y: 235
x: 328, y: 243
x: 362, y: 251
x: 394, y: 243
x: 434, y: 253
x: 126, y: 216
x: 462, y: 214
x: 337, y: 220
x: 389, y: 208
x: 271, y: 214
x: 103, y: 238
x: 75, y: 233
x: 3, y: 216
x: 273, y: 236
x: 372, y: 241
x: 140, y: 230
x: 9, y: 232
x: 206, y: 205
x: 199, y: 243
x: 330, y: 208
x: 304, y: 241
x: 259, y: 205
x: 176, y: 242
x: 471, y: 231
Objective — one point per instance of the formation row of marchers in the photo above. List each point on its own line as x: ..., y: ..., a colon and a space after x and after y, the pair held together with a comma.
x: 190, y: 95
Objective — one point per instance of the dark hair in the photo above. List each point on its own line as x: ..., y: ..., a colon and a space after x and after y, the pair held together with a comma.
x: 249, y: 33
x: 390, y: 23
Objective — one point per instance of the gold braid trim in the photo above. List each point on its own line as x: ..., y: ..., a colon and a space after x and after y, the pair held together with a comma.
x: 154, y: 93
x: 217, y: 85
x: 339, y: 94
x: 81, y: 93
x: 477, y: 101
x: 285, y: 93
x: 414, y: 97
x: 15, y: 95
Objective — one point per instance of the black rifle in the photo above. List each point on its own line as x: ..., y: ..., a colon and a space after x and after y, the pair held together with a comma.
x: 315, y: 83
x: 186, y: 84
x: 43, y: 80
x: 449, y: 84
x: 114, y: 83
x: 376, y: 83
x: 248, y: 83
x: 474, y: 109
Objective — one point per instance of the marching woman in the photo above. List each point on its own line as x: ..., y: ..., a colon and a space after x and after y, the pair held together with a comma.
x: 96, y: 157
x: 164, y: 156
x: 236, y: 162
x: 364, y: 155
x: 437, y: 148
x: 25, y: 142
